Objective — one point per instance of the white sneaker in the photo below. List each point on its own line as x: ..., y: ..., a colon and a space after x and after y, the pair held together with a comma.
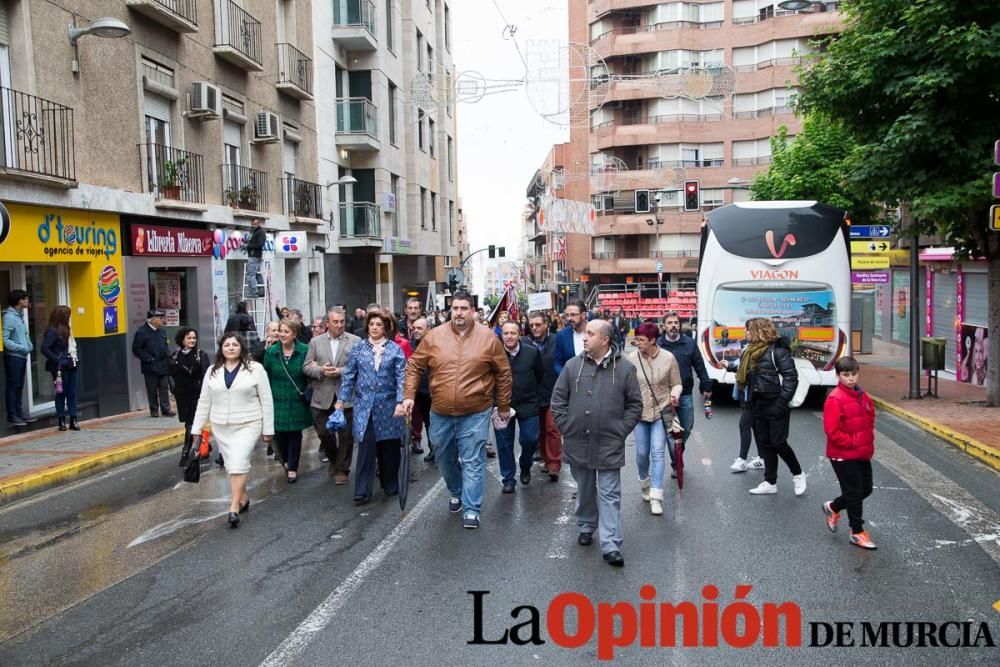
x: 644, y: 486
x: 756, y: 463
x: 799, y: 481
x: 764, y: 488
x: 656, y: 502
x: 739, y: 465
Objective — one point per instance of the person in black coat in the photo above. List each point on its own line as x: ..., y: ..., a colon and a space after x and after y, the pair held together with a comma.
x: 549, y: 440
x: 187, y: 368
x: 61, y: 360
x: 150, y: 346
x: 242, y: 323
x: 528, y: 374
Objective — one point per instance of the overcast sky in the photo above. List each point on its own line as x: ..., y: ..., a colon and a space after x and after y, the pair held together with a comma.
x: 502, y: 139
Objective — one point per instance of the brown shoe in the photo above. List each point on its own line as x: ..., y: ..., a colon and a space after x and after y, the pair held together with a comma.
x: 340, y: 478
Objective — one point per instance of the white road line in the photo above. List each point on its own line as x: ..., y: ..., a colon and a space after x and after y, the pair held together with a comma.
x: 297, y: 642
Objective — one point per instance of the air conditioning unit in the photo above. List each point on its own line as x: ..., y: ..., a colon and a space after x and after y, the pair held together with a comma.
x: 206, y: 100
x: 267, y: 129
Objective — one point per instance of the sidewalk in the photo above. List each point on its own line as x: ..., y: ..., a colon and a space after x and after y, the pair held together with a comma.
x: 959, y: 415
x: 41, y: 459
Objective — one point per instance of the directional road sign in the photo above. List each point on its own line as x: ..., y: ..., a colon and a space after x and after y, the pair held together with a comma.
x: 870, y: 277
x: 868, y: 247
x: 659, y: 267
x: 869, y: 262
x: 457, y: 275
x: 996, y: 184
x: 871, y: 232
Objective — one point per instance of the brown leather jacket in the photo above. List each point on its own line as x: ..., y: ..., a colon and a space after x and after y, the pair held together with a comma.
x: 467, y: 373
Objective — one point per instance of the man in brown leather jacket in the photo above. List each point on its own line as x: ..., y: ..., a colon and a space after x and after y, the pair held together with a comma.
x: 469, y: 374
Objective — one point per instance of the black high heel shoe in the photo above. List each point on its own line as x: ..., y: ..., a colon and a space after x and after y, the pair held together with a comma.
x: 244, y: 508
x: 234, y: 520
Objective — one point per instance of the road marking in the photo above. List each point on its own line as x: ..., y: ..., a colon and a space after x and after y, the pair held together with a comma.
x: 300, y: 638
x: 563, y: 522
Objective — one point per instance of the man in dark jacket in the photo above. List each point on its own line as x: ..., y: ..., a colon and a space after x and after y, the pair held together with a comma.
x: 549, y: 440
x: 689, y: 361
x: 527, y: 373
x: 596, y: 403
x: 150, y: 346
x: 569, y: 340
x: 255, y: 252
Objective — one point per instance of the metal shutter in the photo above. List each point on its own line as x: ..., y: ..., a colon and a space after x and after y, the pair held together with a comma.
x: 288, y: 151
x: 975, y: 299
x: 156, y: 106
x: 232, y: 133
x: 944, y: 314
x: 4, y: 32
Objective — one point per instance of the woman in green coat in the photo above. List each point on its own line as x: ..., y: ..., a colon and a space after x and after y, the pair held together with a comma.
x: 283, y: 364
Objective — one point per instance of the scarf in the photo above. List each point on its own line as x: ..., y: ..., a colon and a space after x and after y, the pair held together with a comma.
x: 749, y: 360
x: 378, y: 348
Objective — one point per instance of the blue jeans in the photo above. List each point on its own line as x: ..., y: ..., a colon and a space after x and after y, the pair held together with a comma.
x: 14, y: 367
x: 528, y: 427
x: 67, y: 399
x: 253, y: 268
x: 650, y: 446
x: 685, y: 415
x: 460, y: 452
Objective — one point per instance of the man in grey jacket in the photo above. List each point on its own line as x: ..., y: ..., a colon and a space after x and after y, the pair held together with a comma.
x: 596, y: 403
x: 16, y: 348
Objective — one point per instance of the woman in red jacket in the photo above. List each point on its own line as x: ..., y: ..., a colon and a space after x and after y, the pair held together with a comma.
x: 849, y: 422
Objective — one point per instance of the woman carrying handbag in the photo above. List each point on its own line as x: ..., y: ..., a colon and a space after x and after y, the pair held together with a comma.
x: 289, y: 385
x: 660, y: 384
x: 61, y: 360
x: 187, y: 369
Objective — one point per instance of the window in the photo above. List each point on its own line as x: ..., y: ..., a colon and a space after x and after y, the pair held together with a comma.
x: 451, y: 219
x: 388, y: 25
x: 430, y: 62
x: 450, y: 157
x: 420, y: 129
x: 447, y: 28
x: 447, y: 92
x: 420, y: 51
x: 392, y: 113
x: 430, y: 135
x: 434, y: 212
x: 752, y: 152
x: 394, y: 188
x: 423, y: 208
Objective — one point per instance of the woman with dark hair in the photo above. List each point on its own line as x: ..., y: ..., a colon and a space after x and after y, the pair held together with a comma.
x: 767, y: 368
x: 61, y: 360
x: 660, y: 384
x: 373, y: 381
x: 236, y: 400
x: 187, y: 368
x: 283, y: 363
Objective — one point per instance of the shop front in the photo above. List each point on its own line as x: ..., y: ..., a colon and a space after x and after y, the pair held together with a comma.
x: 168, y: 268
x: 72, y: 258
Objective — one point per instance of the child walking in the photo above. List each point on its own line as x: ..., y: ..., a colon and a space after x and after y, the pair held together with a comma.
x: 849, y: 422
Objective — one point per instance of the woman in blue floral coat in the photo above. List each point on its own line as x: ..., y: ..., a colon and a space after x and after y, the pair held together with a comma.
x: 373, y: 380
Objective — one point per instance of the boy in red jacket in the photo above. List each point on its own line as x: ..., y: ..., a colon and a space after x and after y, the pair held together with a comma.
x: 849, y: 422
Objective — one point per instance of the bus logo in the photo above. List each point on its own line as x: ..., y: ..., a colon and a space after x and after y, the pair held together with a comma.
x: 789, y: 240
x: 765, y: 274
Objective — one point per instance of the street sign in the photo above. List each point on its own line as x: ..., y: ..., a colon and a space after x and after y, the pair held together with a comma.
x: 871, y: 232
x: 995, y: 218
x: 996, y: 184
x: 996, y: 151
x: 457, y: 275
x: 869, y: 262
x: 659, y: 267
x: 868, y: 247
x: 870, y: 277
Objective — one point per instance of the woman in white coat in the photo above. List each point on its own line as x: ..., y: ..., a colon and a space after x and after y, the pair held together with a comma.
x: 236, y: 400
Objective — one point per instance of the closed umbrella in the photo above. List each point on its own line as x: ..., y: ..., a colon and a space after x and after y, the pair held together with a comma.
x: 678, y: 432
x: 404, y: 465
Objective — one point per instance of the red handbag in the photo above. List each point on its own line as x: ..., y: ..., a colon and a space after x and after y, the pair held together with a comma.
x: 204, y: 447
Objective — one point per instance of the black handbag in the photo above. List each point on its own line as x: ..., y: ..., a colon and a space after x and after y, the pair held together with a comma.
x: 192, y: 471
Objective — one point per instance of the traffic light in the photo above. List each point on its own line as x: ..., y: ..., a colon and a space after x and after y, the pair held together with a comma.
x: 692, y: 198
x: 502, y: 250
x: 492, y: 251
x: 642, y: 201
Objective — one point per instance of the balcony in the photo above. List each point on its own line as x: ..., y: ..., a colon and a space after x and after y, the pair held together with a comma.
x: 302, y: 200
x: 237, y: 36
x: 178, y: 15
x: 357, y: 124
x: 38, y: 137
x: 360, y: 225
x: 354, y: 25
x: 244, y: 189
x: 294, y: 72
x: 171, y: 175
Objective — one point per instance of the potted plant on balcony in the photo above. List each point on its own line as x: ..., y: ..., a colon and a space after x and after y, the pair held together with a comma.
x: 232, y: 197
x: 248, y: 197
x: 171, y: 175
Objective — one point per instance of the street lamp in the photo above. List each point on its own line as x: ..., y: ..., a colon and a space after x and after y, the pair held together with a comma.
x: 103, y: 27
x: 346, y: 180
x: 655, y: 223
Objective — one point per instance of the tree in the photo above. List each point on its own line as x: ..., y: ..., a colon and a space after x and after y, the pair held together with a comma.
x: 816, y: 165
x: 917, y: 83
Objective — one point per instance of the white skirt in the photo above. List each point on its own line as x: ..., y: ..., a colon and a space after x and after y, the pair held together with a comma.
x: 237, y: 441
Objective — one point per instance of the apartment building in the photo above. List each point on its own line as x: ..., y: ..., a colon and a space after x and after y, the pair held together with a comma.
x: 137, y: 149
x: 386, y: 123
x: 644, y: 137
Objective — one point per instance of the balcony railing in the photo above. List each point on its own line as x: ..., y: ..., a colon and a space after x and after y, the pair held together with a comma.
x: 360, y: 220
x: 357, y: 115
x: 349, y: 13
x: 294, y: 68
x: 302, y: 198
x: 170, y: 173
x: 244, y: 188
x: 670, y: 254
x: 38, y: 136
x: 240, y: 31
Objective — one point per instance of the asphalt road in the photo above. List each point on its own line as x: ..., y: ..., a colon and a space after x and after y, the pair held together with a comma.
x: 135, y: 568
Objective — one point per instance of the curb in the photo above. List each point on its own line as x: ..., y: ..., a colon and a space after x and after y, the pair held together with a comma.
x: 970, y: 446
x: 84, y: 466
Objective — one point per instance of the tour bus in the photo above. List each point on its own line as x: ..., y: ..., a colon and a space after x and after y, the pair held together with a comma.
x: 788, y: 261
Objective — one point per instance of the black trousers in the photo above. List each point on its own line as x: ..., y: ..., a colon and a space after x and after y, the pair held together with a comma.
x: 384, y: 453
x: 746, y: 431
x: 157, y: 393
x: 770, y: 428
x: 288, y: 444
x: 855, y: 479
